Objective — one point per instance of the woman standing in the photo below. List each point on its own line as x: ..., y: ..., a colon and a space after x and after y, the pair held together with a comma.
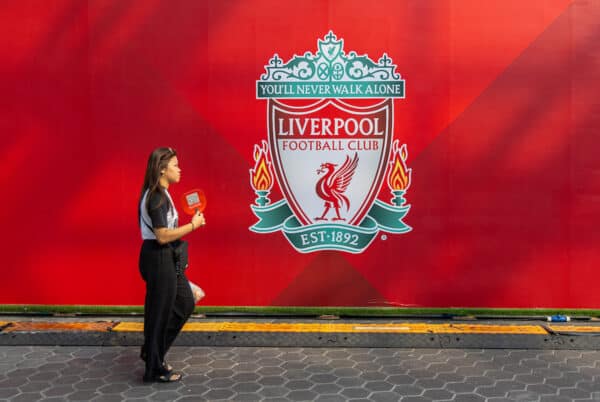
x: 169, y: 300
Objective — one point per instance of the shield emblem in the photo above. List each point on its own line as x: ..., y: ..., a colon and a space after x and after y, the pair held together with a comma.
x: 330, y: 157
x: 329, y: 50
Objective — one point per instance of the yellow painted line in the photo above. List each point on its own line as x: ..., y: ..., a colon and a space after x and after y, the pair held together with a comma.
x: 129, y: 327
x: 574, y: 328
x: 284, y: 327
x: 414, y: 328
x: 27, y: 326
x: 388, y: 328
x: 493, y: 329
x: 346, y: 328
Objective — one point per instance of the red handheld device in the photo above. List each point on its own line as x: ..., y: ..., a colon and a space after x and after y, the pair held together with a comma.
x: 193, y: 200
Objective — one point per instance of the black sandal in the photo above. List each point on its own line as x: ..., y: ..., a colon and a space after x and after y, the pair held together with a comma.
x: 166, y: 365
x: 169, y: 377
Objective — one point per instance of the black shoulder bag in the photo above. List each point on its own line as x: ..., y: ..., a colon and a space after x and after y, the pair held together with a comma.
x: 180, y: 255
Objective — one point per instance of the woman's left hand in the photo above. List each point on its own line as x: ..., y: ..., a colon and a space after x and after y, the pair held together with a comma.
x: 198, y: 220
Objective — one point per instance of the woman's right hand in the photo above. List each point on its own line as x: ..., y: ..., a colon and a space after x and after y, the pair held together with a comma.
x: 198, y: 220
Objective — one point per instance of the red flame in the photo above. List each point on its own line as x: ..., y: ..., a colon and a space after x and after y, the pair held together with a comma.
x: 261, y: 174
x: 399, y: 176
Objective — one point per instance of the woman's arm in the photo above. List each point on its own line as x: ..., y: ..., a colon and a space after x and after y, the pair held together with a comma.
x: 165, y: 235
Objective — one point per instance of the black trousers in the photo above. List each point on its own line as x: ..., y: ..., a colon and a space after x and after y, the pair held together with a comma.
x: 168, y: 305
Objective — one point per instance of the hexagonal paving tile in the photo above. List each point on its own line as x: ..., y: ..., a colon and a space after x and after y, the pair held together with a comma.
x: 114, y: 373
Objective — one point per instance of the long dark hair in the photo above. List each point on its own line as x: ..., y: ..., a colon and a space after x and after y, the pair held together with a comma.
x: 157, y: 161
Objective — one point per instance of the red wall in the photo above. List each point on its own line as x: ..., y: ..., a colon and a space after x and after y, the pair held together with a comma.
x: 501, y: 118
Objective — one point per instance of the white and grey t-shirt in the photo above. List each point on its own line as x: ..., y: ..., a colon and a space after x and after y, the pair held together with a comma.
x: 157, y: 215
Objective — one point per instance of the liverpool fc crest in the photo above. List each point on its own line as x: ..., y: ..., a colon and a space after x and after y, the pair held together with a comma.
x: 330, y: 149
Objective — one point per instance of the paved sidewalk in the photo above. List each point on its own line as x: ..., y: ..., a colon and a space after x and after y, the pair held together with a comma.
x: 54, y: 373
x: 303, y: 359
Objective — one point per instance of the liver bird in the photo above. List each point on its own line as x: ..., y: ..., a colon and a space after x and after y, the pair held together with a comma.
x: 333, y: 184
